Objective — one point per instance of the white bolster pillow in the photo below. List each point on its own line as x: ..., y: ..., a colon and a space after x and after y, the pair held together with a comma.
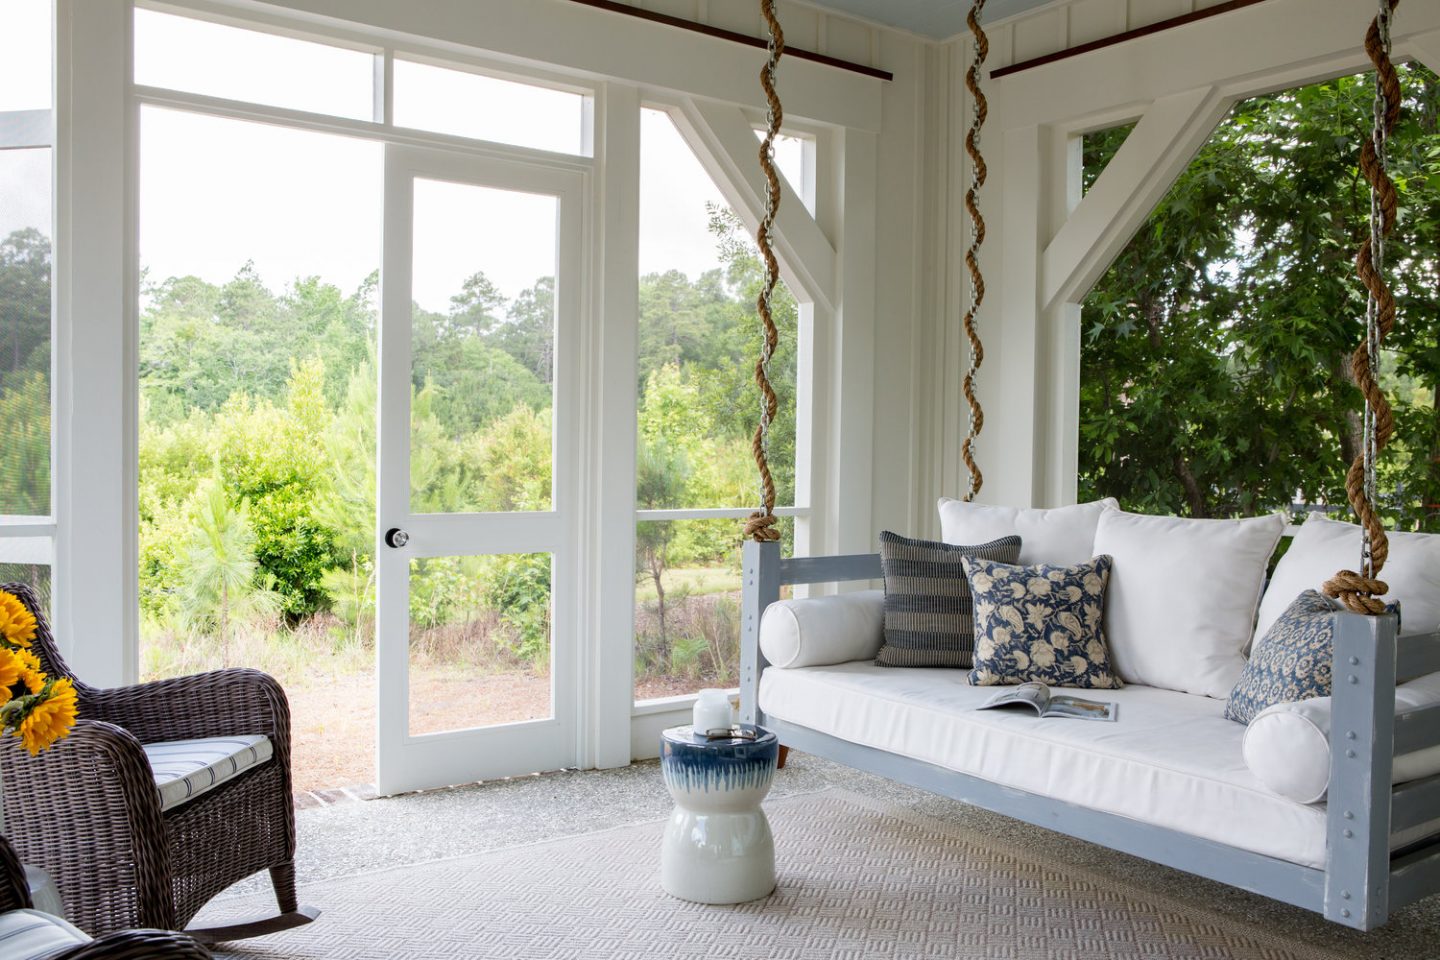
x: 823, y: 630
x: 1287, y: 746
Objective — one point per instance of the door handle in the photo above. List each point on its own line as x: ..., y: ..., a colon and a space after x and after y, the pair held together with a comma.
x: 395, y: 537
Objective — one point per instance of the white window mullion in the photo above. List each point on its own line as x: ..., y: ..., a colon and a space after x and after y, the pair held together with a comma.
x: 94, y: 474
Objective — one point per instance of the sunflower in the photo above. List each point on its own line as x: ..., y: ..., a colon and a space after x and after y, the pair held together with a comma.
x: 34, y: 680
x: 28, y: 660
x: 17, y: 624
x: 51, y: 719
x: 10, y: 667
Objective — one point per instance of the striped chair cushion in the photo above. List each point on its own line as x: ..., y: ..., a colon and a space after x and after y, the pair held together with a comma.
x: 29, y: 933
x: 184, y: 769
x: 928, y: 616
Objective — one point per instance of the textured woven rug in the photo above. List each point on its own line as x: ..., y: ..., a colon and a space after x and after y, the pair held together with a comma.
x: 858, y: 879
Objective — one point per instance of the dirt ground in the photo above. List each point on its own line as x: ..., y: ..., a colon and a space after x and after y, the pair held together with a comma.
x: 334, y: 718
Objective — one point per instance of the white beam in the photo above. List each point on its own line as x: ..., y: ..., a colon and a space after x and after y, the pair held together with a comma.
x: 599, y: 44
x: 730, y: 153
x: 1152, y: 156
x: 1424, y: 47
x: 1265, y: 47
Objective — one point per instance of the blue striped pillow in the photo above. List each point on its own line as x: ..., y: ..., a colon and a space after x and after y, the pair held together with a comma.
x: 928, y: 617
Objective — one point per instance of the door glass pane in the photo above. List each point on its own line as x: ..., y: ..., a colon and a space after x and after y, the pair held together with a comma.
x: 215, y: 60
x: 483, y: 344
x: 26, y: 55
x: 259, y: 247
x: 25, y: 330
x: 488, y: 108
x: 479, y: 641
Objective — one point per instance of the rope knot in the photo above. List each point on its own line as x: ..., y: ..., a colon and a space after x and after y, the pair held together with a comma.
x: 1360, y: 594
x: 761, y: 527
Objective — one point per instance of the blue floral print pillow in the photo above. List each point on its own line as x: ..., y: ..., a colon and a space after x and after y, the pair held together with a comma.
x: 1043, y: 623
x: 1292, y: 662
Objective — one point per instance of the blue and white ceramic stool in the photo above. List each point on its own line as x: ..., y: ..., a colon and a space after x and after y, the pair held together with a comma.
x: 718, y: 847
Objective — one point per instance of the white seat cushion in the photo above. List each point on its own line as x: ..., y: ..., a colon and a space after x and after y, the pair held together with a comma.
x: 1182, y: 598
x: 1323, y: 546
x: 1062, y: 536
x: 30, y: 933
x: 184, y: 769
x: 1171, y: 759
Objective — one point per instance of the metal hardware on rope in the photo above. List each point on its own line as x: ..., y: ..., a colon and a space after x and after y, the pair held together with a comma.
x: 977, y: 237
x: 1360, y: 591
x: 762, y: 523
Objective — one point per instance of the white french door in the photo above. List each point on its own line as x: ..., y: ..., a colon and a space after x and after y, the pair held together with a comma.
x: 477, y: 473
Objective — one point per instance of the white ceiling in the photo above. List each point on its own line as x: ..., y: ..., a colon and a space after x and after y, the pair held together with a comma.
x: 940, y: 19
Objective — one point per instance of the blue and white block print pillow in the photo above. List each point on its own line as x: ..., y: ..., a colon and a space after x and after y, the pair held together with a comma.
x: 1292, y: 662
x: 1043, y: 623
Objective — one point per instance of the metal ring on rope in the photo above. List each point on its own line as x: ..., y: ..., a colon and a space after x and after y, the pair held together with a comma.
x: 1360, y: 590
x: 761, y: 524
x: 977, y: 237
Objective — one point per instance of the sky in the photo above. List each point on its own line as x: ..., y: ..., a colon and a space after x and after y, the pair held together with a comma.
x: 216, y: 193
x: 25, y: 67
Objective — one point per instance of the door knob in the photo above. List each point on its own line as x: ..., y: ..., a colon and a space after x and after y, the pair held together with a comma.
x: 395, y: 537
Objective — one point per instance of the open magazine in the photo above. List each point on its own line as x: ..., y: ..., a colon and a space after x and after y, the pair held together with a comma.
x: 1038, y: 697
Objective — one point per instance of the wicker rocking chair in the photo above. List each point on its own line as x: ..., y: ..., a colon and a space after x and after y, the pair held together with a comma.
x: 28, y: 934
x: 89, y: 811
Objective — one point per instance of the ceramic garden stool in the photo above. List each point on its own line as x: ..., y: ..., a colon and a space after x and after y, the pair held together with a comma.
x: 718, y: 847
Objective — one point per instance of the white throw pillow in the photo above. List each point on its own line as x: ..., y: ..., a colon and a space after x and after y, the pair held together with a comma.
x: 1287, y: 746
x: 1324, y: 546
x: 1182, y: 598
x: 822, y: 630
x: 1063, y: 536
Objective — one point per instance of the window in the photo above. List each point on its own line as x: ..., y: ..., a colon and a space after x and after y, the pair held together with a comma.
x: 26, y: 177
x: 259, y: 247
x: 487, y: 108
x: 698, y: 342
x: 181, y: 53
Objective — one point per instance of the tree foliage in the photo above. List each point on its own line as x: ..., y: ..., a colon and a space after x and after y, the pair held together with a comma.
x: 1215, y: 347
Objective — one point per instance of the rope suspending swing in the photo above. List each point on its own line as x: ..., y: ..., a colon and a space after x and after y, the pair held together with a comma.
x: 1360, y: 591
x: 761, y: 526
x: 978, y: 173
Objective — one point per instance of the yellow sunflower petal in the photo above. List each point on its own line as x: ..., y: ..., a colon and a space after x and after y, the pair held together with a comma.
x: 51, y: 719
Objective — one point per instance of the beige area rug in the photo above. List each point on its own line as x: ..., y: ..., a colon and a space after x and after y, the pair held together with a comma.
x: 858, y: 879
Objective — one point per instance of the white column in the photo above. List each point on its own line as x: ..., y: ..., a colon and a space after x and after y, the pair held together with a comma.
x: 96, y: 610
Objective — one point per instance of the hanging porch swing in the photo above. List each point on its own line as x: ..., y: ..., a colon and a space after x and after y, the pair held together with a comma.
x: 1353, y: 879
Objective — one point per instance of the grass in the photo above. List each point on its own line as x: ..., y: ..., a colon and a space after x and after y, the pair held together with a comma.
x: 695, y: 582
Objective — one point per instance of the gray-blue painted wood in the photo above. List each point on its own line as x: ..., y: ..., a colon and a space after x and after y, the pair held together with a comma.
x: 1362, y: 755
x: 1360, y: 883
x: 759, y: 587
x: 855, y: 566
x: 1292, y: 883
x: 1414, y: 803
x: 1416, y: 655
x: 1417, y: 729
x: 1414, y: 875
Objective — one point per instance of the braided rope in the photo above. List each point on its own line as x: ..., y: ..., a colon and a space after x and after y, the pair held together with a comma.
x: 761, y: 525
x: 977, y: 237
x: 1360, y: 590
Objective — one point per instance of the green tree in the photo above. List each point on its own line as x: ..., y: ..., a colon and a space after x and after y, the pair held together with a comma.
x: 219, y: 575
x: 1214, y: 349
x: 661, y: 474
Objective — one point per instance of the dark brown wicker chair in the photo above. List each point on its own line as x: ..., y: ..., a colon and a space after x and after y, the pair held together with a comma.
x: 33, y: 935
x: 88, y: 811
